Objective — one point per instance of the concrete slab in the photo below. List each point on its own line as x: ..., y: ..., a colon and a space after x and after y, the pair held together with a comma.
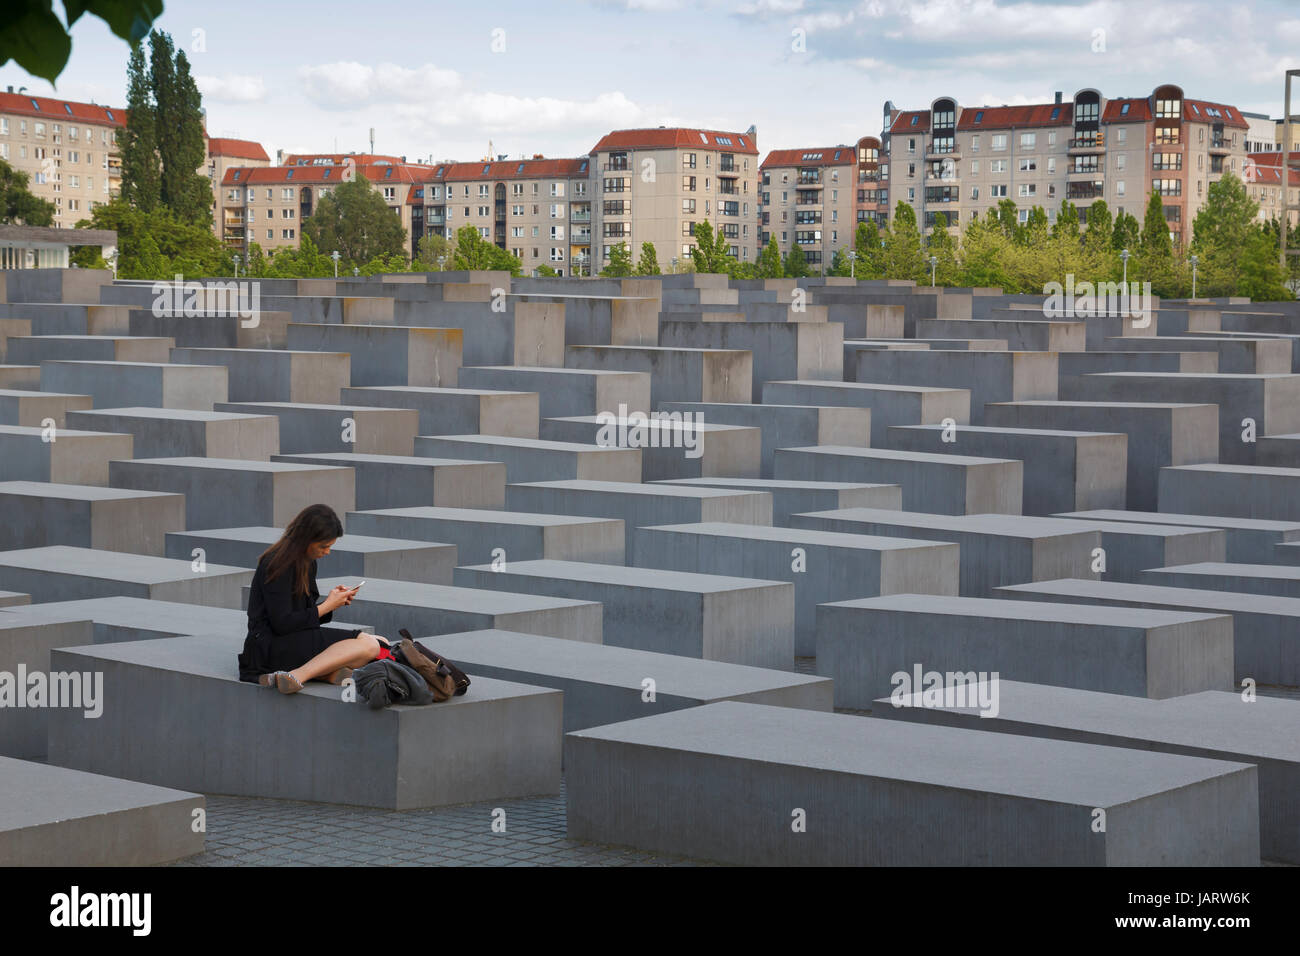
x: 889, y: 404
x: 1242, y: 491
x: 566, y: 391
x: 715, y: 617
x: 67, y: 456
x: 409, y: 481
x: 61, y: 573
x: 790, y: 497
x: 725, y: 779
x: 862, y: 644
x: 535, y: 460
x: 40, y: 513
x: 1248, y: 540
x: 458, y: 411
x: 128, y: 384
x: 179, y: 432
x: 1276, y: 579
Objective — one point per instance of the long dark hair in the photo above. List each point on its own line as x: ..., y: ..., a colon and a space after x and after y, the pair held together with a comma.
x: 313, y: 524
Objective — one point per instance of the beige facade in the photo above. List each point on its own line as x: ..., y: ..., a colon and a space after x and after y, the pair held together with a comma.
x: 225, y: 154
x: 68, y: 150
x: 962, y: 161
x: 655, y: 185
x: 809, y: 199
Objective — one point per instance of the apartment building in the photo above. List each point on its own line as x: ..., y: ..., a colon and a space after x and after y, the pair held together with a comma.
x: 537, y: 209
x: 808, y: 199
x: 1261, y: 133
x: 961, y: 161
x: 225, y: 154
x: 1263, y: 181
x: 654, y: 185
x: 67, y: 149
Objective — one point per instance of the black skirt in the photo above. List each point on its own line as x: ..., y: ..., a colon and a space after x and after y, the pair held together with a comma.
x: 265, y: 653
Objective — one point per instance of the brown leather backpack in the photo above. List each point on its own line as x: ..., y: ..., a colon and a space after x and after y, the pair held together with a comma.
x: 444, y: 678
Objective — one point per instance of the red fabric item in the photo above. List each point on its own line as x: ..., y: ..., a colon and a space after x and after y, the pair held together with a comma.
x: 385, y: 655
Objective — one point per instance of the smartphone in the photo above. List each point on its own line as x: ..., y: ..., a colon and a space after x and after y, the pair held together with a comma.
x: 357, y: 588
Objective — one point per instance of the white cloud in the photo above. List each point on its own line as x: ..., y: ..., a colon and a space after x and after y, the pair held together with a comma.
x: 347, y: 85
x: 232, y: 88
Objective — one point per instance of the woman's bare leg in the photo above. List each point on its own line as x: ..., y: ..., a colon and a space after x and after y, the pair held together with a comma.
x: 353, y: 652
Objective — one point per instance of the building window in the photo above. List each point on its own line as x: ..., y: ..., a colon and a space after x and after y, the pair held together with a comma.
x: 1028, y: 190
x: 999, y: 141
x: 1119, y: 188
x: 974, y: 192
x: 998, y: 192
x: 688, y: 206
x: 997, y: 165
x: 974, y: 167
x: 1028, y: 165
x: 1027, y: 140
x: 1121, y: 134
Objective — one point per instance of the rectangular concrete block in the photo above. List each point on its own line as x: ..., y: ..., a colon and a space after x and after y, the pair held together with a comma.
x: 889, y: 404
x: 69, y: 456
x: 1211, y: 724
x: 180, y: 432
x: 346, y: 428
x: 40, y: 513
x: 566, y: 391
x: 863, y: 644
x: 536, y: 460
x: 431, y: 609
x: 410, y: 481
x: 53, y: 816
x: 503, y: 738
x: 821, y: 565
x: 786, y: 426
x: 712, y: 616
x: 782, y: 350
x: 943, y: 484
x: 1059, y: 466
x: 988, y: 376
x: 718, y: 775
x: 124, y: 384
x: 1279, y: 580
x: 478, y: 533
x: 1266, y: 629
x: 218, y: 489
x: 604, y: 684
x: 995, y: 549
x: 1247, y: 540
x: 457, y: 411
x: 21, y: 406
x: 1159, y: 434
x: 790, y: 497
x: 275, y: 375
x: 358, y: 556
x: 63, y: 573
x: 387, y: 355
x: 676, y: 374
x: 35, y: 349
x: 1241, y: 491
x: 673, y: 445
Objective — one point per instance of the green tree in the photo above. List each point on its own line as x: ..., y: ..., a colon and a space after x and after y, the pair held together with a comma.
x: 709, y: 254
x: 1126, y: 231
x: 432, y: 248
x: 546, y: 272
x: 942, y: 247
x: 867, y: 244
x: 983, y: 254
x: 1156, y: 262
x: 37, y: 40
x: 1224, y: 237
x: 620, y: 261
x: 648, y: 265
x: 1008, y: 217
x: 157, y: 245
x: 141, y: 178
x: 903, y: 256
x: 768, y: 265
x: 21, y: 206
x: 1067, y: 221
x: 354, y: 219
x: 796, y: 263
x: 839, y: 263
x: 189, y: 192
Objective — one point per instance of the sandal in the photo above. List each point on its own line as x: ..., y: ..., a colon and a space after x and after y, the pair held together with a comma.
x: 286, y: 683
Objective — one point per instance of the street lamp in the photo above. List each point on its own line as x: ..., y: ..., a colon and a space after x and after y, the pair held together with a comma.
x: 356, y: 270
x: 674, y: 265
x: 1194, y: 261
x: 336, y: 257
x: 1123, y: 256
x: 236, y: 258
x: 853, y: 262
x: 442, y: 261
x: 934, y: 262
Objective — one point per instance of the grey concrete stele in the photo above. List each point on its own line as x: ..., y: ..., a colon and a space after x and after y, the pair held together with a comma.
x: 53, y: 816
x: 711, y: 616
x: 1212, y: 724
x: 728, y: 781
x: 864, y: 644
x: 499, y: 740
x: 41, y: 513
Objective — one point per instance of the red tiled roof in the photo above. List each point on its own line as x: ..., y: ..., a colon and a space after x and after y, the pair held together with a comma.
x: 237, y: 148
x: 514, y: 169
x: 848, y: 155
x: 45, y: 108
x: 1139, y: 111
x: 676, y: 138
x: 340, y: 159
x: 903, y: 124
x: 1268, y: 169
x: 1228, y: 115
x: 262, y: 175
x: 1015, y: 117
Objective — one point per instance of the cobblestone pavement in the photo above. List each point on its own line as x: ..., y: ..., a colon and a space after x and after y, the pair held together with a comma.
x: 245, y: 831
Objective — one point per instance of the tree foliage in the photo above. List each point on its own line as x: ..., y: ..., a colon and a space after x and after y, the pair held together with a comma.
x: 620, y: 262
x: 20, y: 206
x: 648, y: 264
x: 354, y: 219
x: 36, y: 39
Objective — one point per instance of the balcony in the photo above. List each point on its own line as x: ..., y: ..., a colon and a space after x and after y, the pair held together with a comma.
x: 1087, y: 144
x: 582, y: 236
x: 868, y: 177
x: 806, y: 181
x: 731, y: 172
x: 932, y: 154
x: 1088, y: 190
x: 580, y: 217
x: 435, y: 220
x: 1073, y: 175
x: 1220, y: 145
x: 728, y: 190
x: 616, y: 166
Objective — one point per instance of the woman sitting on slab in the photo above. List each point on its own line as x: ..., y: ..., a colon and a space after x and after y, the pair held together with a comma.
x: 286, y: 645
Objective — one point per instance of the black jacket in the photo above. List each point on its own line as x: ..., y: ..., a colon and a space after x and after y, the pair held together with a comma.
x: 273, y: 608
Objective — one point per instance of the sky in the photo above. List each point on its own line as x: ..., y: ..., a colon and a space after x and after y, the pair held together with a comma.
x: 443, y: 81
